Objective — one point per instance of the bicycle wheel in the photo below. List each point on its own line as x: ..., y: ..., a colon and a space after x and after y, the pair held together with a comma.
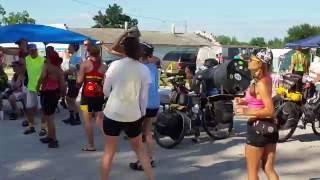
x: 166, y: 134
x: 214, y: 129
x: 316, y: 127
x: 286, y: 133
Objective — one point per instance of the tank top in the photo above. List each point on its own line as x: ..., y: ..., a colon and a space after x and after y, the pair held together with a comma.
x: 299, y: 60
x: 50, y: 84
x: 93, y: 81
x: 252, y: 101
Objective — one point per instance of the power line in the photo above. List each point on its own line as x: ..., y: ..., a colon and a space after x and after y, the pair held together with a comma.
x: 130, y: 14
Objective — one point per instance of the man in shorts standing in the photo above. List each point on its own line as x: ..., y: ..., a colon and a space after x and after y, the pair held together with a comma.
x: 73, y: 90
x: 34, y: 64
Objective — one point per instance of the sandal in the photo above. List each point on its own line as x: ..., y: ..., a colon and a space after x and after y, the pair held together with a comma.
x: 89, y: 149
x: 138, y: 167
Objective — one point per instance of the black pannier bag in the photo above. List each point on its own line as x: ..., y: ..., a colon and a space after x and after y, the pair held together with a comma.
x: 233, y: 76
x: 311, y: 109
x: 169, y: 123
x: 223, y: 111
x: 288, y: 115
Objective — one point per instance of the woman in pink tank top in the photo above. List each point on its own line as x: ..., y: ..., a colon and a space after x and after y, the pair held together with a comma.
x: 52, y: 87
x: 260, y: 147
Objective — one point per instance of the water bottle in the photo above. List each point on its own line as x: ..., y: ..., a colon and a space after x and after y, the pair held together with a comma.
x: 195, y: 109
x: 161, y: 109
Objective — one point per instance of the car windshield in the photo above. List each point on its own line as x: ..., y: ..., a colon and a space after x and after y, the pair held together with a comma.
x: 182, y: 56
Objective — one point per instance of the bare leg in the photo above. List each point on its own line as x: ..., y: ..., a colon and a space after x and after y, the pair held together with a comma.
x: 13, y: 103
x: 147, y: 129
x: 51, y: 127
x: 137, y: 146
x: 99, y: 120
x: 30, y: 116
x: 88, y: 127
x: 110, y: 148
x: 253, y: 157
x: 268, y: 160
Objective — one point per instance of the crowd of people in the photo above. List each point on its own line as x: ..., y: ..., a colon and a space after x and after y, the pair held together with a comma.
x: 123, y: 97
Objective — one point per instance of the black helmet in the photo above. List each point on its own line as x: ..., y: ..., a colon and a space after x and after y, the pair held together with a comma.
x: 210, y: 62
x: 147, y: 49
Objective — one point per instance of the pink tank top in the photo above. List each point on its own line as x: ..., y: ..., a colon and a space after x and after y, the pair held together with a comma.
x: 252, y: 101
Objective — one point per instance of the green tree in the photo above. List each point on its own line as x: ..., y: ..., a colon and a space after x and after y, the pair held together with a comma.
x: 276, y: 43
x: 15, y: 18
x: 301, y: 31
x: 18, y: 18
x: 258, y: 41
x: 2, y: 13
x: 113, y: 18
x: 224, y: 40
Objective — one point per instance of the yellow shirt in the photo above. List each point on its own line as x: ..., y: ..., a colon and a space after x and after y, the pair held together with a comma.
x: 299, y: 59
x: 34, y: 70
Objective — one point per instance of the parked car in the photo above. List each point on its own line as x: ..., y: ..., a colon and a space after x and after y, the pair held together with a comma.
x: 177, y: 61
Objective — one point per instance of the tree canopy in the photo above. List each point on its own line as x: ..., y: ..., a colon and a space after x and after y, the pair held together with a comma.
x: 15, y: 17
x: 113, y: 18
x: 258, y: 41
x: 302, y: 31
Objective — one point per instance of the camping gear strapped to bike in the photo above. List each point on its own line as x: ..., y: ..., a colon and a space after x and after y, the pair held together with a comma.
x: 190, y: 112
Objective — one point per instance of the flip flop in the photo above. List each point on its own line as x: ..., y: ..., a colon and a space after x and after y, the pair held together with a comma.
x: 89, y: 149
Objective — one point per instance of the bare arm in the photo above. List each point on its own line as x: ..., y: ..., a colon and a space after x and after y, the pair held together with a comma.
x: 44, y: 73
x: 292, y: 65
x: 107, y: 84
x: 80, y: 77
x: 111, y: 51
x: 116, y: 45
x: 13, y: 52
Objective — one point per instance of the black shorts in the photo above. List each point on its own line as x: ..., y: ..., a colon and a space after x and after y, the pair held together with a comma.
x: 114, y: 128
x: 92, y: 104
x: 49, y: 101
x: 258, y: 140
x: 73, y: 91
x: 150, y: 113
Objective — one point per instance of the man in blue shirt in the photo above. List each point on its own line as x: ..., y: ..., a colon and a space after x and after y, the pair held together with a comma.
x: 153, y: 103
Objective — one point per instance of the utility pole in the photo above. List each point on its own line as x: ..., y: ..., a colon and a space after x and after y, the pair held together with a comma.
x: 185, y: 26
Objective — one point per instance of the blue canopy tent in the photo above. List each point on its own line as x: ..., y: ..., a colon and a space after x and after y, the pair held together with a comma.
x: 39, y: 33
x: 310, y: 42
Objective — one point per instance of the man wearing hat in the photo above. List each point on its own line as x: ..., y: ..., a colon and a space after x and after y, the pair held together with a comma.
x: 33, y: 64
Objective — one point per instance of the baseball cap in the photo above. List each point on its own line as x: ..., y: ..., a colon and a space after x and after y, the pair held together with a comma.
x: 32, y: 46
x: 20, y: 40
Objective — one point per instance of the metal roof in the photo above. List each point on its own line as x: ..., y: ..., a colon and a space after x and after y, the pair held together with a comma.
x: 109, y: 35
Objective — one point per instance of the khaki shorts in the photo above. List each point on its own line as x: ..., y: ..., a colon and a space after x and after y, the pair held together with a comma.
x: 31, y: 99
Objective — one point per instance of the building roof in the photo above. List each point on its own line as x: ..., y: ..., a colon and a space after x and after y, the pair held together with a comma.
x: 109, y: 35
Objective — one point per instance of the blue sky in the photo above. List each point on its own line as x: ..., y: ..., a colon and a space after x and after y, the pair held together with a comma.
x: 244, y: 19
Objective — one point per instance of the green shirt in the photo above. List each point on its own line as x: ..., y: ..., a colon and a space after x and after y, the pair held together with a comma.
x: 34, y: 70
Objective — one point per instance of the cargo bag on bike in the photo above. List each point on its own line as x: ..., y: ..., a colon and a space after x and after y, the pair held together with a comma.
x: 288, y: 115
x: 291, y: 82
x: 311, y: 109
x: 170, y: 124
x: 223, y: 111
